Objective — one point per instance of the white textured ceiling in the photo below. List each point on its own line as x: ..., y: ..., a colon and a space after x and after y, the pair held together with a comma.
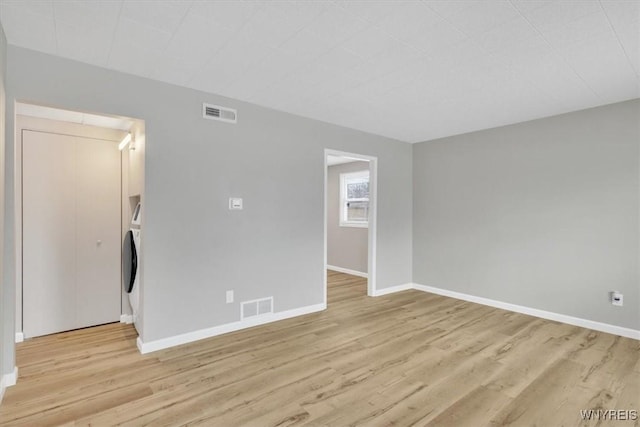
x: 411, y: 70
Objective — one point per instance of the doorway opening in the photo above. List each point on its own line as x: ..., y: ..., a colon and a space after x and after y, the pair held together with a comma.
x: 350, y: 211
x: 76, y: 187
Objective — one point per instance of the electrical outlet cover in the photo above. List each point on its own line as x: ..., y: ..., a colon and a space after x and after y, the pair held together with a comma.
x: 617, y: 298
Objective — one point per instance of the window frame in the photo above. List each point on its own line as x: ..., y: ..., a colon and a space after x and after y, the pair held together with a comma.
x: 343, y: 199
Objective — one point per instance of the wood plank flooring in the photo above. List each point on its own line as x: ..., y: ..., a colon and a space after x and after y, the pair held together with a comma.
x: 405, y: 359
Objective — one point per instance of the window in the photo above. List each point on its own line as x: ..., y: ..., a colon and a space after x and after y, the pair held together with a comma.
x: 354, y: 199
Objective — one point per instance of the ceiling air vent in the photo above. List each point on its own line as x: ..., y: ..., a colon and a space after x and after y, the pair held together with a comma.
x: 216, y: 112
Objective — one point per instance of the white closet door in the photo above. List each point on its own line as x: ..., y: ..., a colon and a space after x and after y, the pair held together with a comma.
x: 98, y: 232
x: 71, y: 232
x: 48, y: 233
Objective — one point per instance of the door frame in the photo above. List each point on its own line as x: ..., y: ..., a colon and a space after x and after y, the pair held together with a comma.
x: 44, y: 125
x: 112, y: 177
x: 373, y: 217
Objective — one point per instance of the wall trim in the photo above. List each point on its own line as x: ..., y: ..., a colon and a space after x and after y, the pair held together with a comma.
x: 126, y: 318
x: 151, y: 346
x: 543, y: 314
x: 393, y: 289
x: 347, y: 271
x: 19, y: 337
x: 8, y: 380
x: 563, y: 318
x: 11, y: 378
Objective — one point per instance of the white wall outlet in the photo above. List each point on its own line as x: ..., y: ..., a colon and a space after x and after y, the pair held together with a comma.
x: 617, y: 298
x: 235, y: 203
x: 229, y: 297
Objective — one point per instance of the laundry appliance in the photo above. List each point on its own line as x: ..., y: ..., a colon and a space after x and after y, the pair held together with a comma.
x: 130, y: 257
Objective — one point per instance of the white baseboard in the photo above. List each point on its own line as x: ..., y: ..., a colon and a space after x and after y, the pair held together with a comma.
x: 392, y: 289
x: 148, y: 347
x: 347, y: 271
x: 126, y: 318
x: 19, y: 337
x: 576, y: 321
x: 10, y: 379
x: 7, y: 380
x: 563, y: 318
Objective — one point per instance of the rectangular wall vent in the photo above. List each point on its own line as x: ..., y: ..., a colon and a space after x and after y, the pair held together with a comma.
x: 216, y: 112
x: 256, y: 307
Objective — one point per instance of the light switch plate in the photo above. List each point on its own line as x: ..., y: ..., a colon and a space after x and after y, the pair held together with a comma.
x: 235, y: 203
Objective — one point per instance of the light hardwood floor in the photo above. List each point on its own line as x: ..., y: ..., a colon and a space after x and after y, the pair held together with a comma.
x: 404, y: 359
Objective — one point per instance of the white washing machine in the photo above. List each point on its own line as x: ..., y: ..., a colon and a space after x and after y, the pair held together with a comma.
x: 130, y: 254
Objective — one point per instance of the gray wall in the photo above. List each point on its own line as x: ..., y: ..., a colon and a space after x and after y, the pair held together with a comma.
x: 274, y: 160
x: 6, y: 317
x: 543, y: 214
x: 346, y: 246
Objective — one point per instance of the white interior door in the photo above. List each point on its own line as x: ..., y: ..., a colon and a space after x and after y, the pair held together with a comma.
x: 71, y: 232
